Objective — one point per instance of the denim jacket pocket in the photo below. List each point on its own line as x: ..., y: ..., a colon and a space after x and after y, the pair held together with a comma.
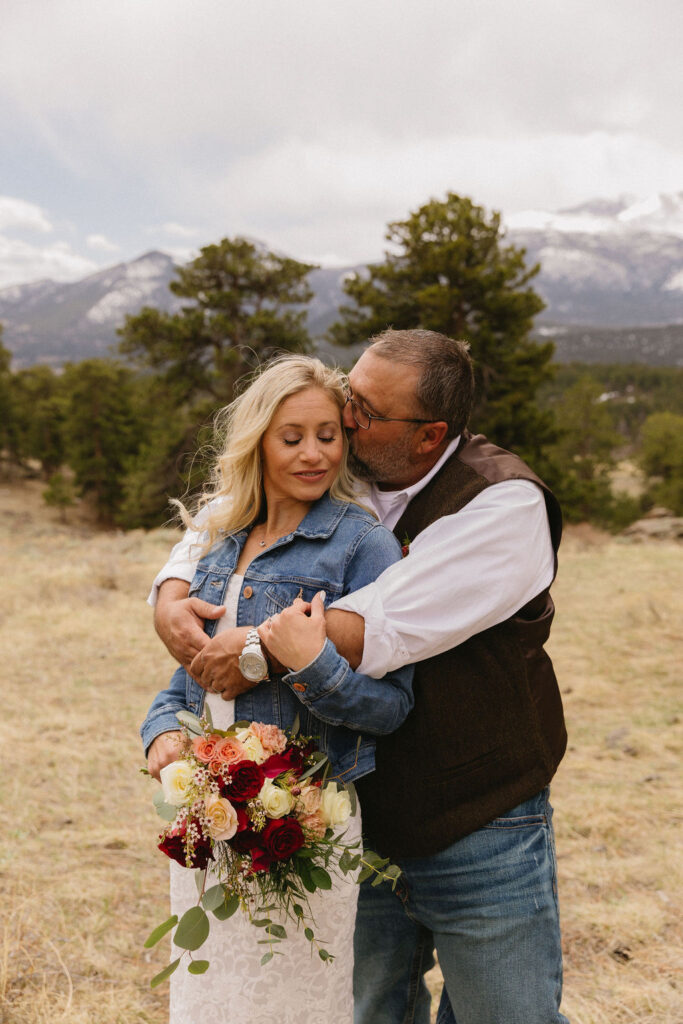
x: 198, y: 582
x: 279, y: 596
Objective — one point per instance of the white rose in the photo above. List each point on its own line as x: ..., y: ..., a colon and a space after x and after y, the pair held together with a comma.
x: 176, y: 779
x: 252, y: 746
x: 222, y: 817
x: 335, y: 805
x: 276, y: 801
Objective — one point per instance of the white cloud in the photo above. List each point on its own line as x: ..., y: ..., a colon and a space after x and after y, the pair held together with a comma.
x: 20, y: 262
x: 17, y: 213
x: 101, y: 243
x: 174, y: 230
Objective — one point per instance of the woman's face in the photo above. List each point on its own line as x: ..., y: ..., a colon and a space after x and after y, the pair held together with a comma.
x: 302, y: 447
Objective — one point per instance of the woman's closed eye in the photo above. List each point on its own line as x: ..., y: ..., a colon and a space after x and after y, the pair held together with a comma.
x: 325, y: 438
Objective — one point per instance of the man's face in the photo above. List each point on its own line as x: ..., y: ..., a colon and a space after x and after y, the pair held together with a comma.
x: 384, y: 453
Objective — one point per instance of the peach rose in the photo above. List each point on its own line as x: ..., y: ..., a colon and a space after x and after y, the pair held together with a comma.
x: 204, y: 747
x: 272, y: 739
x: 230, y: 751
x: 313, y: 824
x: 222, y: 817
x: 308, y: 800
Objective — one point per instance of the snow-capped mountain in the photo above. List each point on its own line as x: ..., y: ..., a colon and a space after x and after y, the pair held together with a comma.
x: 607, y: 264
x: 53, y: 322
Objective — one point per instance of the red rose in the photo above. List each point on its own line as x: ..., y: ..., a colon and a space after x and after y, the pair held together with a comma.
x: 291, y: 760
x: 282, y: 837
x: 260, y: 860
x: 246, y: 779
x: 173, y: 845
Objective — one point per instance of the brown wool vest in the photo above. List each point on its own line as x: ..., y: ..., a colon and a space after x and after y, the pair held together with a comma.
x: 487, y: 729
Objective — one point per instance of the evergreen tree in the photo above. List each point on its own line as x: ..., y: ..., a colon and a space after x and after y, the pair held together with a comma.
x: 241, y: 310
x: 449, y: 270
x: 579, y: 462
x: 38, y: 406
x: 662, y: 458
x: 244, y: 305
x: 102, y: 431
x: 6, y: 405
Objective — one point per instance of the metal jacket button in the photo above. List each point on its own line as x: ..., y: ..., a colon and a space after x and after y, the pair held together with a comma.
x: 247, y: 592
x: 299, y: 687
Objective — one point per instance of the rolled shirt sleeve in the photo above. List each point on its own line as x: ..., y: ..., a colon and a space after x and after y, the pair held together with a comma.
x: 464, y: 573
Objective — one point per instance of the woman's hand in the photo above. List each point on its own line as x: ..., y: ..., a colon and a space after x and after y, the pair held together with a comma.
x: 297, y: 635
x: 164, y: 749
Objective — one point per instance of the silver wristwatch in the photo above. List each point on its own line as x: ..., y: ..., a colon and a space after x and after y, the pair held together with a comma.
x: 252, y: 661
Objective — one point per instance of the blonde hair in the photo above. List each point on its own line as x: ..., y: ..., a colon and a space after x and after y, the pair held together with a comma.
x: 237, y: 474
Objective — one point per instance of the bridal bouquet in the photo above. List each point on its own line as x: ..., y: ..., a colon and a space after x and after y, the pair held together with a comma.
x: 251, y: 811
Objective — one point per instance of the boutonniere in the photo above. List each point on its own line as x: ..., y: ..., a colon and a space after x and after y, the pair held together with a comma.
x: 405, y: 546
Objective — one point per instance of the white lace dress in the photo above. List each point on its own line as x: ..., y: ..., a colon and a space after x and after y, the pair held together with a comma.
x: 295, y: 988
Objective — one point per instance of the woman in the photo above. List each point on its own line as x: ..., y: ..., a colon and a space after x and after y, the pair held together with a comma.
x: 280, y: 524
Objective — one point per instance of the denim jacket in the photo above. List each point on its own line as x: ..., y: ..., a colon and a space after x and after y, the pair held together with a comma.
x: 338, y: 547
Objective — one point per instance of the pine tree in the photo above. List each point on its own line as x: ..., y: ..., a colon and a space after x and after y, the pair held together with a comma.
x: 450, y: 270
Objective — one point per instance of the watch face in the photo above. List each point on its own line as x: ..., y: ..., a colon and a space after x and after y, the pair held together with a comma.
x: 253, y: 666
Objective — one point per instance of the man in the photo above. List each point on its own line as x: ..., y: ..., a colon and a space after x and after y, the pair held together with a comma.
x: 459, y: 798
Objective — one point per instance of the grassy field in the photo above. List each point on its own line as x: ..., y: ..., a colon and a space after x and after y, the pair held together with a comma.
x: 81, y: 883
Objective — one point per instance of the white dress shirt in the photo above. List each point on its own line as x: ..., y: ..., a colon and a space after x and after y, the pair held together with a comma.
x: 464, y: 573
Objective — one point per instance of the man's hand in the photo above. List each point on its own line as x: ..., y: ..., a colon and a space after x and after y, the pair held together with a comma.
x: 297, y: 635
x: 164, y: 749
x: 179, y: 620
x: 215, y: 666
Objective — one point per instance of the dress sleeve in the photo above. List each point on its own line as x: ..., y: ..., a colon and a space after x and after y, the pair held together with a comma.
x: 330, y: 687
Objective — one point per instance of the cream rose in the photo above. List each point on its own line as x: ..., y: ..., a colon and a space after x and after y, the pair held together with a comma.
x: 276, y: 801
x: 222, y: 817
x: 176, y: 779
x: 335, y: 805
x: 253, y: 748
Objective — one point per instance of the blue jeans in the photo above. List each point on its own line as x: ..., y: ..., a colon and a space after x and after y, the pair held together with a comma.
x: 488, y: 904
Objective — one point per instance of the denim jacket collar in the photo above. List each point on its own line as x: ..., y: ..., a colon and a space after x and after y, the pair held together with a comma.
x: 321, y: 520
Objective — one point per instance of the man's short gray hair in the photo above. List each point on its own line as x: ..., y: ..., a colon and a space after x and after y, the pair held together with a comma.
x: 445, y: 389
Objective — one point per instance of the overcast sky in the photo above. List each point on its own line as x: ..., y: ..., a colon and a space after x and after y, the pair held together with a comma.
x: 309, y: 124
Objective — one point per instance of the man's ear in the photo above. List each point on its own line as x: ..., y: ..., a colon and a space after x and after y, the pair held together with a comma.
x: 431, y: 436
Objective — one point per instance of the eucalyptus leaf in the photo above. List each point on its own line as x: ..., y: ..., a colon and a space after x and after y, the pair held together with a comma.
x: 296, y: 725
x: 308, y: 932
x: 353, y: 797
x: 213, y: 897
x: 198, y: 966
x: 320, y: 760
x: 324, y: 955
x: 321, y: 878
x: 244, y: 724
x: 200, y: 879
x: 190, y: 721
x: 193, y: 929
x: 163, y: 975
x: 209, y: 724
x: 365, y: 874
x: 159, y: 932
x: 277, y: 931
x: 228, y: 908
x: 166, y: 811
x: 266, y: 958
x: 263, y: 923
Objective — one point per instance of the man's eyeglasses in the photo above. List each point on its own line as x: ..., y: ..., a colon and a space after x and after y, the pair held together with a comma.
x: 364, y: 418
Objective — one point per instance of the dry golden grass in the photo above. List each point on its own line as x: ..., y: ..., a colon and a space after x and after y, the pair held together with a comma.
x: 81, y: 884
